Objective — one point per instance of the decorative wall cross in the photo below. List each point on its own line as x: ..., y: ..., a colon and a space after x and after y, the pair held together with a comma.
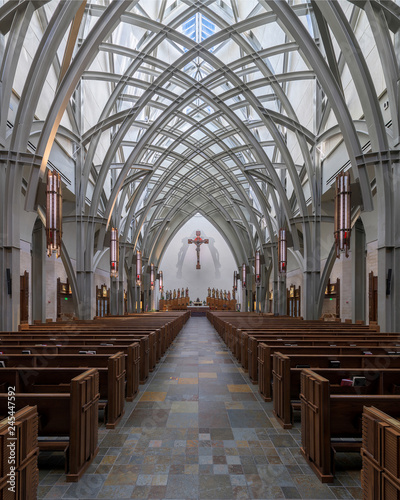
x: 198, y: 241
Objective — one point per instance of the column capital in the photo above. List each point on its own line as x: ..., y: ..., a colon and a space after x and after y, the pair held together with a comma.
x: 376, y: 157
x: 20, y: 158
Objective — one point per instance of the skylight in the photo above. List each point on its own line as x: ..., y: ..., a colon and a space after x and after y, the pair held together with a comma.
x: 198, y: 28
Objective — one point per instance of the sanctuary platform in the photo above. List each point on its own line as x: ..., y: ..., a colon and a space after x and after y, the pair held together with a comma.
x: 198, y: 310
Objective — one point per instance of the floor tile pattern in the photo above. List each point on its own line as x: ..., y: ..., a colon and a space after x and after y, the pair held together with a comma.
x: 198, y: 430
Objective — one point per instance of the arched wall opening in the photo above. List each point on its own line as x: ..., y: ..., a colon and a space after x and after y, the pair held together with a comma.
x: 179, y: 260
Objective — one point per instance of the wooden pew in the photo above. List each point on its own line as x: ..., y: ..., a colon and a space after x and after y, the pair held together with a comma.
x: 247, y: 346
x: 286, y: 384
x: 330, y: 423
x: 168, y: 327
x: 239, y: 336
x: 79, y: 361
x: 144, y: 341
x: 315, y: 359
x: 380, y: 475
x: 113, y: 379
x: 132, y: 358
x: 320, y: 339
x: 57, y: 380
x: 161, y: 329
x: 24, y: 461
x: 73, y: 415
x: 227, y: 324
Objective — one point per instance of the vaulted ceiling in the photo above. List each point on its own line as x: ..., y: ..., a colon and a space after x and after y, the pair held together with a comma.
x: 164, y: 109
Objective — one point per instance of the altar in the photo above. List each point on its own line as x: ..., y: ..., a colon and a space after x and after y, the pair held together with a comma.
x: 198, y: 310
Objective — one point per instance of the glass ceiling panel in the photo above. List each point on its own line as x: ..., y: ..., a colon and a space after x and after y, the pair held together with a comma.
x: 199, y: 28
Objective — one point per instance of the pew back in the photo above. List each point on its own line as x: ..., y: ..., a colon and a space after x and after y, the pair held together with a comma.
x: 380, y: 475
x: 328, y: 419
x: 74, y: 415
x: 26, y: 455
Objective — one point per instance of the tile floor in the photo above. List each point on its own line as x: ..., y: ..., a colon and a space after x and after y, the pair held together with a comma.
x: 198, y: 430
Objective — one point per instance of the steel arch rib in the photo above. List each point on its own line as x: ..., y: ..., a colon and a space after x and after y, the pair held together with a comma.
x: 84, y: 56
x: 212, y: 201
x: 296, y: 29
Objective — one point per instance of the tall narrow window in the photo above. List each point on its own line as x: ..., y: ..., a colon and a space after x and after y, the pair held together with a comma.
x: 54, y: 214
x: 161, y: 281
x: 257, y: 266
x: 138, y: 268
x: 244, y: 276
x: 114, y: 253
x: 342, y: 214
x: 282, y: 251
x: 152, y: 276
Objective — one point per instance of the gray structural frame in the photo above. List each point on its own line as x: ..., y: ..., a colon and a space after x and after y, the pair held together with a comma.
x: 142, y: 203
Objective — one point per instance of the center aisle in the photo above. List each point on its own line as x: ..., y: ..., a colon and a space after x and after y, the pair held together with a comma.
x: 200, y: 430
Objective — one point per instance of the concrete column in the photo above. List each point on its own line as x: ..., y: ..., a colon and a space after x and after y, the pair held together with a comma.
x: 138, y: 290
x: 87, y: 303
x: 84, y: 270
x: 312, y: 270
x: 38, y: 280
x: 358, y: 292
x: 50, y: 292
x: 243, y: 299
x: 114, y: 288
x: 10, y: 288
x: 281, y: 295
x: 311, y: 280
x: 10, y: 208
x: 263, y: 289
x: 153, y: 299
x: 130, y: 292
x: 389, y: 252
x: 120, y: 298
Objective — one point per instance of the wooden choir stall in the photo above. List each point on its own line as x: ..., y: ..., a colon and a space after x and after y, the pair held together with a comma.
x: 220, y: 301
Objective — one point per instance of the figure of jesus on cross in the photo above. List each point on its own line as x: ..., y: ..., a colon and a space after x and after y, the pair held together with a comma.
x: 198, y: 241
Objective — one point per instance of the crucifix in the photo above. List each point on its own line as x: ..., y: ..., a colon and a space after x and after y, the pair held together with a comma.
x: 198, y: 241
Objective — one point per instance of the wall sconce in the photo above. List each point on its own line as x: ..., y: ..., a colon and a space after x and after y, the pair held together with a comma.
x: 244, y: 276
x: 138, y: 268
x: 53, y: 214
x: 257, y: 266
x: 342, y: 214
x: 114, y: 253
x: 235, y: 280
x: 282, y: 251
x: 151, y: 276
x: 161, y: 281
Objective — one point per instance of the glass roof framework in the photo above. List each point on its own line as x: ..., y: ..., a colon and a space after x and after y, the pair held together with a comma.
x: 204, y: 114
x: 233, y: 145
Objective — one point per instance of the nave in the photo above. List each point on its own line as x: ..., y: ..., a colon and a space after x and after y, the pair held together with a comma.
x: 199, y: 429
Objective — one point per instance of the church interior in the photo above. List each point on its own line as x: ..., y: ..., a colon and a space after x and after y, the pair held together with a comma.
x: 199, y: 248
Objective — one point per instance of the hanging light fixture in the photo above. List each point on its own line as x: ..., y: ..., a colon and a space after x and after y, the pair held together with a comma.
x: 257, y: 266
x: 151, y: 276
x: 161, y: 281
x: 342, y: 214
x: 244, y: 276
x: 53, y: 214
x: 282, y: 251
x: 114, y: 253
x: 138, y: 268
